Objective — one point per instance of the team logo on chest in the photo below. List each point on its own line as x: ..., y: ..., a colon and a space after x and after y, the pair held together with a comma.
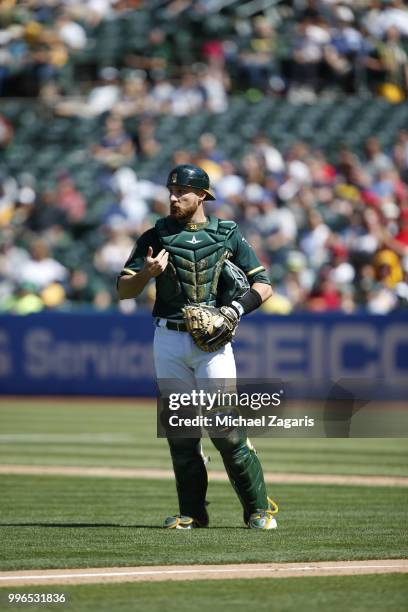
x: 193, y: 240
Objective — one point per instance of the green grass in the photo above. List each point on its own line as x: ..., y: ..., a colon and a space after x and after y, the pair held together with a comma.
x: 117, y: 434
x: 62, y: 522
x: 78, y: 522
x: 385, y: 593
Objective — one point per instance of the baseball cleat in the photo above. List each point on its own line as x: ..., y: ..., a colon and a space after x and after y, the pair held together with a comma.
x: 264, y: 519
x: 181, y: 522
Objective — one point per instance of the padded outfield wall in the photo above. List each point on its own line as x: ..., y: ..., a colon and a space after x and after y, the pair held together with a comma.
x: 111, y: 354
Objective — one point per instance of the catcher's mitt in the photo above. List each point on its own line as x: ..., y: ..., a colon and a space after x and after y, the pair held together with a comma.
x: 232, y: 284
x: 210, y: 327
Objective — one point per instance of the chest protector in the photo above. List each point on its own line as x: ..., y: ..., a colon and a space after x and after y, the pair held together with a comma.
x: 195, y: 262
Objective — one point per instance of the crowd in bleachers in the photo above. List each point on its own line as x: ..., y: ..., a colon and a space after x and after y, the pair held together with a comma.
x: 299, y: 48
x: 315, y: 175
x: 333, y: 236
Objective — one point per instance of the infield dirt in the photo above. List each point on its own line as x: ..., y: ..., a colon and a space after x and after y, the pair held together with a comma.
x: 217, y: 476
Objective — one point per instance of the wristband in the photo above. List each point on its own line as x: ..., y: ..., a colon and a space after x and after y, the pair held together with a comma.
x: 247, y: 303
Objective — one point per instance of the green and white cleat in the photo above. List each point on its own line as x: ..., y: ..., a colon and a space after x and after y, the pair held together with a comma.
x: 181, y: 522
x: 264, y: 519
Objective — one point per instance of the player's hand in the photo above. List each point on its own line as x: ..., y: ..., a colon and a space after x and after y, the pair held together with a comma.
x: 156, y: 265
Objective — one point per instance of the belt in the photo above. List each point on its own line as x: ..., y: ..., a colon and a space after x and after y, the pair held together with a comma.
x: 173, y: 325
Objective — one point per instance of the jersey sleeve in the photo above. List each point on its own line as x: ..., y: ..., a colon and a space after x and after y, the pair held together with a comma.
x: 135, y: 261
x: 245, y: 258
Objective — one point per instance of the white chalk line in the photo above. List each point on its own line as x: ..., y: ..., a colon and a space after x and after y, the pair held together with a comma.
x: 283, y: 568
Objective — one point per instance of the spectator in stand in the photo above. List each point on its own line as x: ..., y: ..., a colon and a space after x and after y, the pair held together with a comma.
x: 108, y: 259
x: 187, y: 98
x: 324, y: 296
x: 230, y: 185
x: 147, y: 145
x: 388, y: 66
x: 402, y: 234
x: 12, y: 260
x: 82, y: 287
x: 71, y: 33
x: 135, y: 98
x: 6, y: 60
x: 253, y: 168
x: 274, y: 162
x: 46, y: 56
x: 376, y: 159
x: 132, y: 197
x: 157, y: 53
x: 116, y: 146
x: 161, y: 92
x: 297, y: 174
x: 102, y: 97
x: 106, y: 94
x: 294, y: 283
x: 402, y: 140
x: 387, y: 265
x: 384, y: 14
x: 343, y: 53
x: 395, y: 60
x: 315, y: 240
x: 400, y: 157
x: 209, y: 157
x: 308, y: 46
x: 215, y: 83
x: 342, y: 272
x: 23, y: 301
x: 213, y: 52
x: 6, y: 132
x: 45, y: 213
x: 256, y: 58
x: 41, y: 269
x: 69, y: 199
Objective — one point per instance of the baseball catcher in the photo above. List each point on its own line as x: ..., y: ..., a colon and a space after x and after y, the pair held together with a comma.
x: 207, y: 278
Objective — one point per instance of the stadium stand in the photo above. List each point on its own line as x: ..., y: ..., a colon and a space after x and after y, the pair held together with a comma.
x: 296, y: 110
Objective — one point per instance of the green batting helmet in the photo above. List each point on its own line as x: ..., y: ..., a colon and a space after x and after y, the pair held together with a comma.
x: 188, y: 175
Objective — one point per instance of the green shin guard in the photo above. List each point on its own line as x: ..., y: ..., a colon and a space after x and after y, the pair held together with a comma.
x: 244, y: 471
x: 191, y: 478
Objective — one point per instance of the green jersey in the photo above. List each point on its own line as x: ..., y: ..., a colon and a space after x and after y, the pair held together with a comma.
x: 196, y: 251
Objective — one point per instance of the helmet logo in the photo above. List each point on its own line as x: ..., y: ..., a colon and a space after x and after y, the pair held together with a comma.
x: 173, y: 178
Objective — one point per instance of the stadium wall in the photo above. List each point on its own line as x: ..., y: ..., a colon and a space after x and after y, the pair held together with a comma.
x: 111, y: 354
